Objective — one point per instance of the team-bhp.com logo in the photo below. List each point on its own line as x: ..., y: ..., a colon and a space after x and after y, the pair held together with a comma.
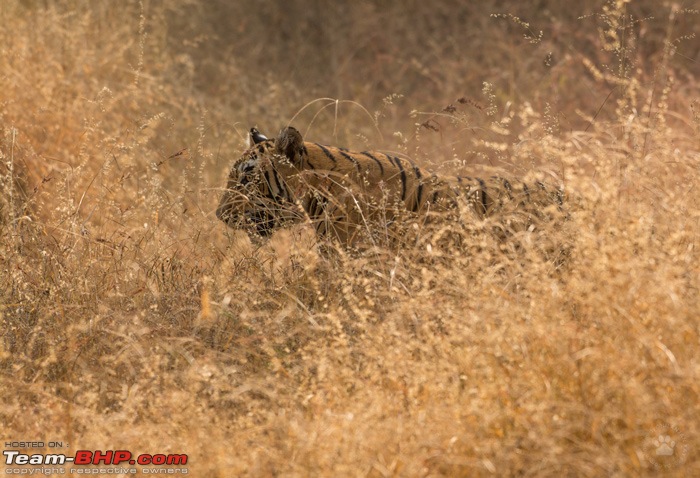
x: 115, y: 458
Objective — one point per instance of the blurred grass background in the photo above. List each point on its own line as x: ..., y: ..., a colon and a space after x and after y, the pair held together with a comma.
x: 132, y: 319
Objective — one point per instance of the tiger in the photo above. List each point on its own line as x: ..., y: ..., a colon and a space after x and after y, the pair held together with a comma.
x: 343, y: 194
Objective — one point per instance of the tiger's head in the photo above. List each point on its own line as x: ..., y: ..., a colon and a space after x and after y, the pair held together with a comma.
x: 257, y: 198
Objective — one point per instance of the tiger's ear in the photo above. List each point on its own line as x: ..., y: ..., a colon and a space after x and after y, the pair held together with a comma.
x: 289, y: 143
x: 256, y: 136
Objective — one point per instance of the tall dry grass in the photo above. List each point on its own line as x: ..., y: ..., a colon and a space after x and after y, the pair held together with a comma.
x: 132, y: 319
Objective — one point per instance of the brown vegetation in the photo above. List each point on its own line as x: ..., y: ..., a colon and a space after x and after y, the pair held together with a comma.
x: 132, y: 319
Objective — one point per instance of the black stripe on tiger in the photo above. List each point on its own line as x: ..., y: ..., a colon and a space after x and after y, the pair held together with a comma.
x: 281, y: 185
x: 419, y: 191
x: 353, y: 160
x: 379, y: 163
x: 403, y: 175
x: 315, y: 207
x: 270, y: 194
x: 327, y: 153
x: 305, y: 157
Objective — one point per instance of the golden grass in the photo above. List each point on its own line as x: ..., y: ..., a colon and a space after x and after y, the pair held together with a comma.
x: 132, y: 319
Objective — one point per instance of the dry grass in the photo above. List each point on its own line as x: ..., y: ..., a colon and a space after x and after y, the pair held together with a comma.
x: 132, y: 319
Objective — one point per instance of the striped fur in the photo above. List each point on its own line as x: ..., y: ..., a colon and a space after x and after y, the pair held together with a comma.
x: 286, y: 180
